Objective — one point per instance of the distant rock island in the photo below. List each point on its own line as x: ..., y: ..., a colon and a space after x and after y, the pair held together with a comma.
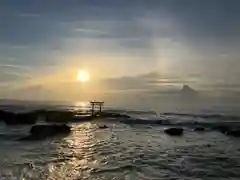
x: 187, y: 91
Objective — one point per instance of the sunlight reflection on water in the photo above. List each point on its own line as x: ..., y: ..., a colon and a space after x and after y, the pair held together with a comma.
x: 79, y: 147
x: 81, y: 106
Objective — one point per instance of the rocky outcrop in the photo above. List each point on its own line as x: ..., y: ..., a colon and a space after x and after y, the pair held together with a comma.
x: 174, y: 131
x: 228, y: 130
x: 103, y: 127
x: 53, y: 116
x: 5, y: 114
x: 187, y: 91
x: 235, y: 133
x: 199, y: 129
x: 59, y: 116
x: 40, y: 132
x: 19, y: 118
x: 221, y: 128
x: 113, y: 115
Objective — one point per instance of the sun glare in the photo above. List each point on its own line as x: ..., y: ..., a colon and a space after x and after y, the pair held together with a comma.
x: 83, y: 76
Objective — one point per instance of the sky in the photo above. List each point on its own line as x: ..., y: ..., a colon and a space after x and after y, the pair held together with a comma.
x: 128, y: 47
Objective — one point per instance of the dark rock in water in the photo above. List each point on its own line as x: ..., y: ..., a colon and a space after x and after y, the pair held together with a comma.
x: 199, y: 129
x: 16, y: 119
x: 113, y: 115
x: 40, y: 132
x: 103, y: 127
x: 59, y: 116
x: 50, y: 129
x: 231, y: 131
x: 235, y: 133
x: 5, y: 115
x: 208, y: 145
x: 174, y: 131
x: 221, y: 128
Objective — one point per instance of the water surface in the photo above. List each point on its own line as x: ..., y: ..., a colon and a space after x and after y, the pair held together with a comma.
x: 120, y: 152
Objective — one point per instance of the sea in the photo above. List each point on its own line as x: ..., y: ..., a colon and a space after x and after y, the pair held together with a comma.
x: 127, y: 151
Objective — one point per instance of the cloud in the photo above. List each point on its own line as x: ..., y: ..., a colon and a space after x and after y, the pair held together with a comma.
x: 29, y: 15
x: 147, y: 82
x: 19, y: 46
x: 149, y: 85
x: 170, y: 81
x: 15, y: 66
x: 122, y: 87
x: 92, y: 31
x: 13, y: 72
x: 21, y: 75
x: 13, y: 46
x: 12, y: 76
x: 224, y: 86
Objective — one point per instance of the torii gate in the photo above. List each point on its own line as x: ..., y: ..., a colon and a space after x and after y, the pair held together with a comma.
x: 95, y: 103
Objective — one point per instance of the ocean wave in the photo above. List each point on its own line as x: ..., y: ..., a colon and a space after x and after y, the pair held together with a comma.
x: 204, y: 116
x: 181, y: 120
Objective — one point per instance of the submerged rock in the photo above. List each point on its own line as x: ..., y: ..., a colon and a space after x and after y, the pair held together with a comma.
x: 199, y: 129
x: 40, y: 132
x: 103, y: 127
x: 174, y: 131
x: 221, y: 128
x: 5, y: 115
x: 228, y: 130
x: 59, y: 116
x: 235, y: 133
x: 113, y: 115
x: 17, y: 119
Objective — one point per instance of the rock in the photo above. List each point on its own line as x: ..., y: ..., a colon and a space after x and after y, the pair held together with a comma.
x: 113, y: 115
x: 5, y: 115
x: 16, y: 119
x: 59, y: 116
x: 103, y: 127
x: 50, y: 129
x: 40, y: 132
x: 228, y: 130
x: 222, y: 128
x: 235, y: 133
x: 199, y: 129
x: 174, y: 131
x: 187, y: 91
x: 208, y: 145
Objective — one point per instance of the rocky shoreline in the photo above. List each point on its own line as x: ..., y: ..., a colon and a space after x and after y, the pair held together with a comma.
x: 56, y: 123
x: 54, y: 116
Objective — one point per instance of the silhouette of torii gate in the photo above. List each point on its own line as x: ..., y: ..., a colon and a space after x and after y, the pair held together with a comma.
x: 94, y: 104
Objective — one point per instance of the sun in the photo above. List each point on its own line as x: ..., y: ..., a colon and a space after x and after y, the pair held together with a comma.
x: 83, y: 76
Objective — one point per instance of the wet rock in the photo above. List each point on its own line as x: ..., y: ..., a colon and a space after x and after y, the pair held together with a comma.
x: 229, y: 130
x: 145, y: 122
x: 59, y: 116
x: 40, y: 132
x: 208, y: 145
x: 113, y: 115
x: 199, y: 129
x: 235, y: 133
x: 5, y: 115
x: 17, y: 119
x: 103, y: 127
x: 223, y: 129
x: 174, y: 131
